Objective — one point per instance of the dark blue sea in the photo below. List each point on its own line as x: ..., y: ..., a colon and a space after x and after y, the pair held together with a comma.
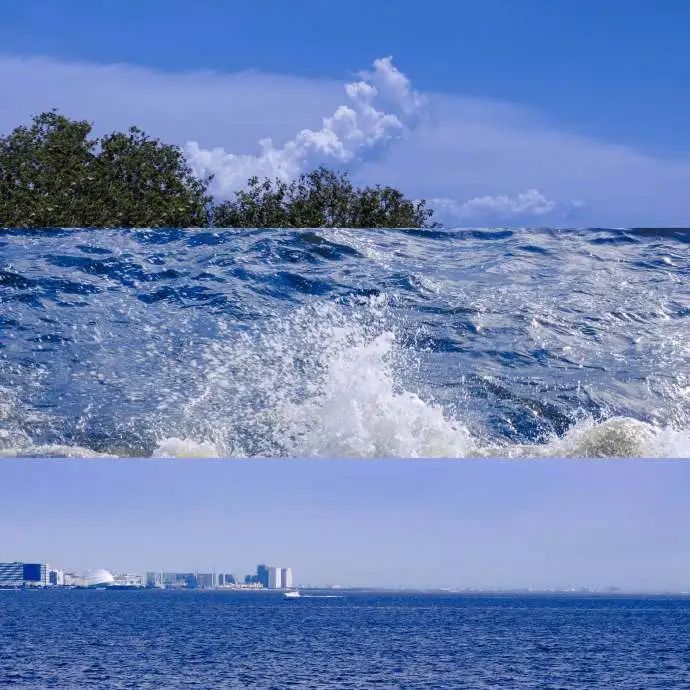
x: 355, y: 343
x: 162, y: 639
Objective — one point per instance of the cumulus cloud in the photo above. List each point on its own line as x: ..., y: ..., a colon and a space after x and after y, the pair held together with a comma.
x: 528, y: 206
x: 352, y: 131
x: 394, y: 89
x: 532, y: 202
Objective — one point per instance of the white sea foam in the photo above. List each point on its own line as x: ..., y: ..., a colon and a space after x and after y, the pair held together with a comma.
x: 323, y: 380
x: 615, y: 437
x: 326, y: 382
x: 359, y: 411
x: 185, y: 448
x: 328, y: 379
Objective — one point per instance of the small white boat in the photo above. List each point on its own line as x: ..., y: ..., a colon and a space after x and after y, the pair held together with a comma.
x: 292, y: 594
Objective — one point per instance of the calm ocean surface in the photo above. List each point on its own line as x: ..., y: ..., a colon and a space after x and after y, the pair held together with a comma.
x: 360, y: 343
x: 151, y: 639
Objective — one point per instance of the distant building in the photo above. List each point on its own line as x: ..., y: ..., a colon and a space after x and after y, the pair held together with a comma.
x: 100, y: 577
x: 275, y: 577
x: 262, y: 575
x: 226, y: 579
x: 11, y: 574
x: 36, y: 574
x: 128, y: 580
x: 18, y: 574
x: 286, y: 577
x: 56, y: 577
x: 154, y: 579
x: 70, y: 579
x: 205, y: 580
x: 179, y: 580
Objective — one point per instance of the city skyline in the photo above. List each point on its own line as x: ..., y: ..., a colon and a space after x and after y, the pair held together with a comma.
x: 21, y: 574
x: 413, y: 524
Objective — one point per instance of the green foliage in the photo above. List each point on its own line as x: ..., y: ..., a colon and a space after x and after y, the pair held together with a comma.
x: 43, y: 173
x: 52, y: 174
x: 143, y: 182
x: 321, y: 198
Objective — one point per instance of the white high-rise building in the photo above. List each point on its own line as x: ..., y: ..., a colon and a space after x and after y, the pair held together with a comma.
x: 286, y: 577
x: 275, y: 577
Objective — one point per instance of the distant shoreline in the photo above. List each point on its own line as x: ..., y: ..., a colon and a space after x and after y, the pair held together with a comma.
x: 352, y: 591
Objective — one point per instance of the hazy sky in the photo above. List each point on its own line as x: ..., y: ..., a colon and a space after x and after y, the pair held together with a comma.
x: 567, y: 113
x: 391, y: 523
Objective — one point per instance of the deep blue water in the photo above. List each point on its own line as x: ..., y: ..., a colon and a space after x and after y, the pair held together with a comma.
x: 150, y: 639
x: 345, y: 342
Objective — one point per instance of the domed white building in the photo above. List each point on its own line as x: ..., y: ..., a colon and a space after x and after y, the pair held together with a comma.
x: 97, y: 578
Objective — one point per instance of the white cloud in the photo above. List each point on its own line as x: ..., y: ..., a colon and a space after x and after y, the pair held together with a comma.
x: 532, y: 202
x: 529, y: 204
x: 394, y: 89
x: 353, y: 130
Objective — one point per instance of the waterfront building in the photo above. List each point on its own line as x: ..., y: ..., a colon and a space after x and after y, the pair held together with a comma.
x: 286, y: 577
x: 128, y: 580
x: 19, y: 574
x: 275, y: 577
x: 262, y: 575
x: 56, y: 577
x: 11, y: 574
x: 100, y: 577
x: 179, y: 580
x: 205, y: 580
x: 226, y: 579
x: 154, y: 579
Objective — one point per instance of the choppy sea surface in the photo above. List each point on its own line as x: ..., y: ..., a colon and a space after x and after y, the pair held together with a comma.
x: 149, y: 639
x: 366, y: 343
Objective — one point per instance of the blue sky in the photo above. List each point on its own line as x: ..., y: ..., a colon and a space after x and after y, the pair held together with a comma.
x: 587, y: 103
x: 413, y: 523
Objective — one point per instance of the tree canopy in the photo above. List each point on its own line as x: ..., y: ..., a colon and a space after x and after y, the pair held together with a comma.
x: 52, y: 174
x: 320, y: 198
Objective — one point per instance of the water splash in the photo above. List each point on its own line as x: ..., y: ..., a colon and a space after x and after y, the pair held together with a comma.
x: 325, y: 381
x: 318, y: 343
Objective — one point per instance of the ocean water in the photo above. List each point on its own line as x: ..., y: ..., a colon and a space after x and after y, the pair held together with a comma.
x: 355, y: 343
x: 149, y: 639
